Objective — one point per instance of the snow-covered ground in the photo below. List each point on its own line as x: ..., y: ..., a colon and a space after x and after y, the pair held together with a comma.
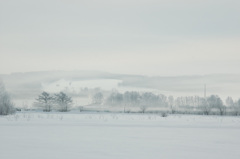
x: 118, y: 136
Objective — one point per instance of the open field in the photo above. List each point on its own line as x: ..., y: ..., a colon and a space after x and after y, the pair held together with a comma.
x: 74, y: 135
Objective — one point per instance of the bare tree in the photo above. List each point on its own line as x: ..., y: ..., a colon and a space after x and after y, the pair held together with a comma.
x: 6, y: 105
x: 204, y: 105
x: 63, y: 101
x: 45, y: 101
x: 171, y: 102
x: 97, y: 98
x: 115, y: 99
x: 143, y: 109
x: 215, y: 101
x: 229, y: 102
x: 236, y: 107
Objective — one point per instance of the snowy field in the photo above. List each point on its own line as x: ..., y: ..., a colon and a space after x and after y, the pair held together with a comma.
x: 118, y: 136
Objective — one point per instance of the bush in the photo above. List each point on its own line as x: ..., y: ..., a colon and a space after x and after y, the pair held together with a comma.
x: 6, y: 106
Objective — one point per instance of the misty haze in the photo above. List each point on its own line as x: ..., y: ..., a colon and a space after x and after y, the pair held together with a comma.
x: 144, y: 79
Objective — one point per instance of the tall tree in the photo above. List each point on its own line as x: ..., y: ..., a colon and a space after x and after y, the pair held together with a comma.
x: 63, y: 101
x: 171, y: 102
x: 97, y: 98
x: 236, y: 107
x: 204, y: 105
x: 215, y: 101
x: 45, y: 101
x: 229, y: 102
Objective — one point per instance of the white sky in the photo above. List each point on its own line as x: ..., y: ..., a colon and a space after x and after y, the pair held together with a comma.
x: 150, y: 37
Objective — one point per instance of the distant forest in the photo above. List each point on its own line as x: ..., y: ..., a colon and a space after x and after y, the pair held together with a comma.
x: 29, y: 86
x: 145, y: 102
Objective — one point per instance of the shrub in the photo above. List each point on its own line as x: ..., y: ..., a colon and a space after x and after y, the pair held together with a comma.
x: 6, y: 105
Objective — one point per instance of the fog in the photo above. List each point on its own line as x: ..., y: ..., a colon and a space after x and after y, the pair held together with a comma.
x: 24, y: 88
x: 156, y: 37
x: 165, y: 47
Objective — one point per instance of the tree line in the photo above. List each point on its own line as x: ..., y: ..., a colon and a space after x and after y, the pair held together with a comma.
x: 128, y: 99
x: 208, y: 105
x: 63, y: 102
